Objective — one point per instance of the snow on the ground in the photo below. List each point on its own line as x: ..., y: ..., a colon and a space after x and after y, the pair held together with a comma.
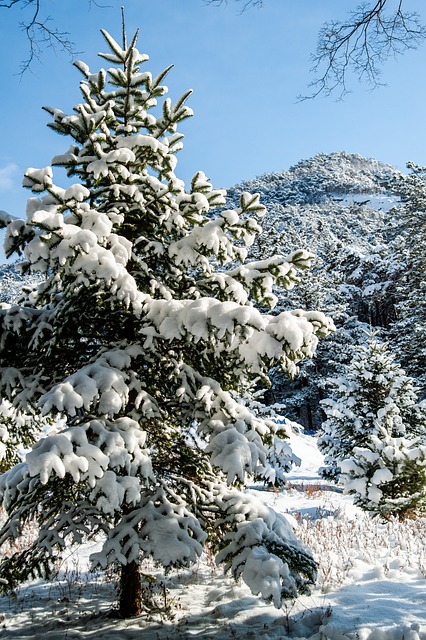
x: 371, y: 583
x: 378, y: 201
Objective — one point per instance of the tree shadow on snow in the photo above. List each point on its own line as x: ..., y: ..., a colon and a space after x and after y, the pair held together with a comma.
x: 373, y: 604
x: 380, y: 603
x: 234, y: 620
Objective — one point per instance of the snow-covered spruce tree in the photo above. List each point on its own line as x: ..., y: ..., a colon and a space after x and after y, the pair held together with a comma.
x: 408, y: 332
x: 142, y: 337
x: 373, y: 403
x: 387, y: 476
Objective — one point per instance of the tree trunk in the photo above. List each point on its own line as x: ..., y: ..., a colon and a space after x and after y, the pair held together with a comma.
x: 130, y: 593
x: 309, y: 413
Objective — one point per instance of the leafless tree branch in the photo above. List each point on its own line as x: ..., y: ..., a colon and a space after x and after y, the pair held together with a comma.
x: 359, y: 45
x: 244, y: 4
x: 40, y: 32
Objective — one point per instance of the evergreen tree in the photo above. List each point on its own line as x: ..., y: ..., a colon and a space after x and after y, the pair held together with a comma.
x: 374, y: 423
x: 387, y: 476
x: 409, y: 330
x: 143, y: 336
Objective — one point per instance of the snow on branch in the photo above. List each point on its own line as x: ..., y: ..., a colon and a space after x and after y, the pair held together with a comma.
x: 161, y: 527
x: 263, y: 550
x: 256, y: 338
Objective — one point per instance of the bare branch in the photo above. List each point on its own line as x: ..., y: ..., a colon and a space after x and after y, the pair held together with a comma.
x: 244, y: 4
x: 40, y: 33
x: 361, y: 45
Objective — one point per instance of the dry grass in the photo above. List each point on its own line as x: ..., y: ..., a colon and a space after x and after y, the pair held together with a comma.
x: 350, y: 549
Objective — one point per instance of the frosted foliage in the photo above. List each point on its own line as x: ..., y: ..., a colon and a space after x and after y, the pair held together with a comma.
x: 255, y: 337
x: 234, y: 434
x: 161, y: 527
x: 373, y: 397
x: 110, y: 457
x: 7, y: 413
x: 103, y: 383
x: 141, y: 336
x: 17, y: 430
x: 264, y: 572
x: 231, y: 451
x: 262, y: 550
x: 89, y: 251
x: 388, y: 476
x: 408, y: 331
x: 375, y: 436
x: 280, y: 459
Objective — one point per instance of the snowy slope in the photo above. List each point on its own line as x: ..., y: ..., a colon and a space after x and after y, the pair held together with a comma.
x: 371, y: 583
x: 336, y: 203
x: 339, y: 207
x: 11, y: 281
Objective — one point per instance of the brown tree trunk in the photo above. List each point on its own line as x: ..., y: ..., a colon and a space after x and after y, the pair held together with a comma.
x: 130, y: 592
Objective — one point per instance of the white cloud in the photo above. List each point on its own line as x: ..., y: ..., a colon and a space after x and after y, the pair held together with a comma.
x: 7, y: 176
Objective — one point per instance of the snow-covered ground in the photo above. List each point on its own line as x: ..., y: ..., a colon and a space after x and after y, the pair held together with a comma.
x: 371, y: 584
x: 379, y: 201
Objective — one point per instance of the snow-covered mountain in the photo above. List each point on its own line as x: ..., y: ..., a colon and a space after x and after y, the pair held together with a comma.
x: 332, y: 200
x: 340, y: 207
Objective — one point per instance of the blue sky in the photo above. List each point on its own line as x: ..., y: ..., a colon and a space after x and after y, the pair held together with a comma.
x: 246, y: 71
